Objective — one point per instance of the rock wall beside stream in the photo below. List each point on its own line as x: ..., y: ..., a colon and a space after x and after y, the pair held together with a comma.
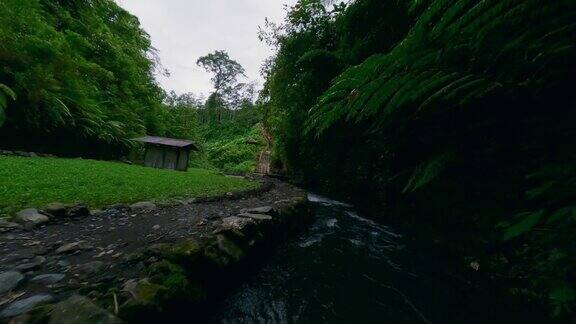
x: 184, y: 277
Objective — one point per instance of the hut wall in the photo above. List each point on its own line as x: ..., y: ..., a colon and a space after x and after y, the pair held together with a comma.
x: 154, y: 157
x: 166, y: 158
x: 170, y: 158
x: 183, y: 156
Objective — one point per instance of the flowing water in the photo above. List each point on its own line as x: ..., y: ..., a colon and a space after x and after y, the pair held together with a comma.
x: 350, y: 269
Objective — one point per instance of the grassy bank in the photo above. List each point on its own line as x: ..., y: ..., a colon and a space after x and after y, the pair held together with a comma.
x: 35, y: 182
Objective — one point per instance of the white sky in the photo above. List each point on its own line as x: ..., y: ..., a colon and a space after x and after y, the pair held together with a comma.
x: 184, y: 30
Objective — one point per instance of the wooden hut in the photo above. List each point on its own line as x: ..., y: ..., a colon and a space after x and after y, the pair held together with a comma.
x: 167, y: 153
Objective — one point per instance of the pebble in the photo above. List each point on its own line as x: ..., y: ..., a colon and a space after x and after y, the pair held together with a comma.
x: 156, y: 227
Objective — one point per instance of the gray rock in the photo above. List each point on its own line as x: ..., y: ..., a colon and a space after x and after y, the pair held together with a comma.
x: 267, y: 210
x: 91, y: 267
x: 258, y: 217
x: 73, y: 247
x: 7, y: 153
x: 32, y: 216
x: 56, y: 209
x: 189, y: 201
x: 236, y: 223
x: 7, y: 226
x: 48, y: 279
x: 119, y: 207
x: 23, y: 154
x: 63, y: 264
x: 25, y: 305
x: 79, y: 309
x: 33, y: 264
x: 78, y: 210
x: 10, y: 280
x: 143, y: 206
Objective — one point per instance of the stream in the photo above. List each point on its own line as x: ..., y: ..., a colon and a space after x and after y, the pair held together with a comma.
x: 349, y: 269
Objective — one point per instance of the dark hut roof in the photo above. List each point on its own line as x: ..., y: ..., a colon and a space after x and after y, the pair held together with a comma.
x: 164, y: 141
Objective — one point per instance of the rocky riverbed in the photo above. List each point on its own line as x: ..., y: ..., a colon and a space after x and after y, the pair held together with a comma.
x: 138, y: 262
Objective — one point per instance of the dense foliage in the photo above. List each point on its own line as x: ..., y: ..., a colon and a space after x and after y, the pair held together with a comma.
x: 228, y: 135
x: 82, y: 77
x: 454, y: 114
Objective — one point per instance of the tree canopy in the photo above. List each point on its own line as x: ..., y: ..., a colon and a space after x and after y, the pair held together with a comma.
x: 78, y: 69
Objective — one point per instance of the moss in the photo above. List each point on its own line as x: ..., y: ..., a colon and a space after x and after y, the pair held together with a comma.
x: 185, y: 253
x: 223, y: 251
x: 148, y: 292
x: 40, y: 314
x: 80, y: 309
x: 176, y: 286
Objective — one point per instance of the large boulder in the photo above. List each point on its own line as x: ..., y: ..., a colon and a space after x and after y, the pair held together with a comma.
x: 31, y: 216
x: 79, y: 309
x: 9, y: 280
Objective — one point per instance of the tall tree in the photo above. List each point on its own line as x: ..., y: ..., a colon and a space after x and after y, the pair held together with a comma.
x: 225, y: 70
x: 229, y: 94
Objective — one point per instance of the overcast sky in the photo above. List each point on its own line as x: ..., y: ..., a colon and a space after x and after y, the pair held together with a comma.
x: 184, y: 30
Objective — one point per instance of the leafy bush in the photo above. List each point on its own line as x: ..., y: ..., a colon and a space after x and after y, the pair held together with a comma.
x: 235, y: 153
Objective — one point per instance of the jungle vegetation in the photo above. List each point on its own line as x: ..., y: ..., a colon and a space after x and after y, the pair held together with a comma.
x: 456, y: 116
x: 77, y: 79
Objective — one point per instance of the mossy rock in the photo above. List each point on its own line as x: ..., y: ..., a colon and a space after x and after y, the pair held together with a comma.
x: 186, y: 253
x: 224, y: 252
x: 38, y: 315
x: 146, y: 302
x: 79, y: 309
x: 177, y: 287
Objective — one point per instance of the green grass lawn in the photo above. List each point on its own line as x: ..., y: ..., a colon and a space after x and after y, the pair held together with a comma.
x: 35, y: 182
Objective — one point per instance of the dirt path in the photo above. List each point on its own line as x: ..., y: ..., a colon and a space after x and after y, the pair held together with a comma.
x: 78, y: 255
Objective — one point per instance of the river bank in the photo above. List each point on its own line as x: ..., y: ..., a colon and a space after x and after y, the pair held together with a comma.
x: 144, y: 263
